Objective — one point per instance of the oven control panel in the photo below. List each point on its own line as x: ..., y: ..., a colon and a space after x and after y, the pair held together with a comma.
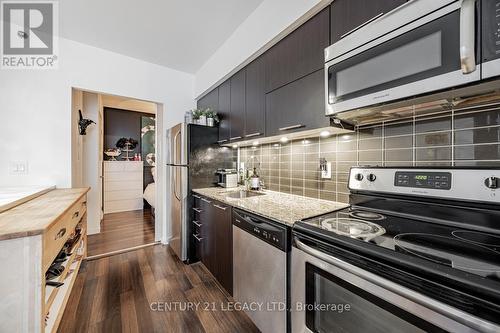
x: 434, y: 180
x: 470, y: 184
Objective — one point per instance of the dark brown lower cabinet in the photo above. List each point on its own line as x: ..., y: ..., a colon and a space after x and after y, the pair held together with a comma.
x: 207, y: 232
x: 215, y: 244
x: 223, y: 245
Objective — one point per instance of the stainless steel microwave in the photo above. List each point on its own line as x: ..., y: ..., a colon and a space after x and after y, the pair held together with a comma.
x: 420, y: 47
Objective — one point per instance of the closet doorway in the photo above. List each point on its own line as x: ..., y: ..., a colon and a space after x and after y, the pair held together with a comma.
x: 118, y: 157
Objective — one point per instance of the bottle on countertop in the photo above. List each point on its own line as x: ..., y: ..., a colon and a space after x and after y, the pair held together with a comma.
x: 254, y: 180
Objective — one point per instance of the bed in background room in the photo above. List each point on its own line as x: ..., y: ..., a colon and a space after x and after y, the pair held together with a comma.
x: 150, y: 192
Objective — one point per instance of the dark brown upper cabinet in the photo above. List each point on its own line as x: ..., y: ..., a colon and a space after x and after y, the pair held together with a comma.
x: 297, y: 106
x: 224, y: 111
x: 210, y: 100
x: 300, y: 53
x: 348, y: 15
x: 237, y: 119
x: 255, y: 111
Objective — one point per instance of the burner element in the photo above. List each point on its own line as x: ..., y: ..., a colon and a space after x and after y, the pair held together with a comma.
x: 452, y: 252
x: 477, y: 237
x: 366, y: 215
x: 353, y: 228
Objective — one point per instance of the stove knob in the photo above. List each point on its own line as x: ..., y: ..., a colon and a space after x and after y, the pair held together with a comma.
x: 492, y: 182
x: 371, y: 177
x: 358, y: 177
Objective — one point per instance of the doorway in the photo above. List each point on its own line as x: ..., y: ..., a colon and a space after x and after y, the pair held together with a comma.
x: 117, y: 158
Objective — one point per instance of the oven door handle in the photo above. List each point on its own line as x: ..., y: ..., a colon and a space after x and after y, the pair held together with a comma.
x: 445, y: 310
x: 467, y: 36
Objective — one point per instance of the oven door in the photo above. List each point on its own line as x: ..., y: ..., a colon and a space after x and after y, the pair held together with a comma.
x: 331, y: 295
x: 434, y: 52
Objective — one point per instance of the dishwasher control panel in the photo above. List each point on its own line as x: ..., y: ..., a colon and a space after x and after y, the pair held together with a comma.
x: 271, y: 232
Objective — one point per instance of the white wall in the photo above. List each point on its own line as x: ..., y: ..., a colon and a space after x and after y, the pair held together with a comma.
x: 35, y: 109
x: 35, y: 106
x: 268, y: 23
x: 90, y: 155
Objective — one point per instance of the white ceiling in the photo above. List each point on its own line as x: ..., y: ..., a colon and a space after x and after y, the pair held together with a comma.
x: 180, y: 34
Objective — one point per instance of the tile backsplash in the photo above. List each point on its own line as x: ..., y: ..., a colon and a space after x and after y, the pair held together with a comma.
x: 454, y: 138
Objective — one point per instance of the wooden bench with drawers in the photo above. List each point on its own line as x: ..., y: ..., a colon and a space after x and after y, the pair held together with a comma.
x: 31, y: 237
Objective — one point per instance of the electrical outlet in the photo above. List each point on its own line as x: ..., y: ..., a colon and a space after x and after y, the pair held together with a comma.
x: 326, y: 173
x: 18, y: 168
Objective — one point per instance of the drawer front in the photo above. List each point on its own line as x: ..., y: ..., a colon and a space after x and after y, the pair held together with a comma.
x: 115, y: 206
x: 122, y: 186
x: 196, y: 227
x: 79, y: 209
x: 123, y: 166
x: 123, y: 195
x: 123, y: 176
x: 55, y: 237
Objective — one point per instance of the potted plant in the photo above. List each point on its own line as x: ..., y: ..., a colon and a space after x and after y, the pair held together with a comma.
x: 197, y: 116
x: 212, y: 117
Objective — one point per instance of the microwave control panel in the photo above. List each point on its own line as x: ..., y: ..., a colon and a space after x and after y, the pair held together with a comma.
x: 434, y: 180
x: 490, y: 29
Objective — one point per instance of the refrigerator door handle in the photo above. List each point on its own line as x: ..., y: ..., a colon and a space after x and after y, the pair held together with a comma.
x: 175, y: 147
x: 175, y: 184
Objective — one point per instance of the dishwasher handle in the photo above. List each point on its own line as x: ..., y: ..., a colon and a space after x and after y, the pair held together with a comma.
x: 267, y: 231
x: 254, y: 222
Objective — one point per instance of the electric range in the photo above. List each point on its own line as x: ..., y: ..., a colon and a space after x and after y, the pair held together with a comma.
x: 417, y: 250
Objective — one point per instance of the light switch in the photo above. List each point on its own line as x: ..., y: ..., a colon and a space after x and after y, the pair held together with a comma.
x: 18, y: 168
x: 326, y: 173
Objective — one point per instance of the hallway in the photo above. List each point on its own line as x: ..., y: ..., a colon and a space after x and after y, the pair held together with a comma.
x: 123, y: 230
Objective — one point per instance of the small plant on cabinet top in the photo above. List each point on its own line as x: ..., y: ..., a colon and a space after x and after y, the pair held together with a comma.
x: 212, y: 114
x: 197, y: 113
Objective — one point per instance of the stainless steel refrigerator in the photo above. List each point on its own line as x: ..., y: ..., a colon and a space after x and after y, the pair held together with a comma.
x: 193, y: 156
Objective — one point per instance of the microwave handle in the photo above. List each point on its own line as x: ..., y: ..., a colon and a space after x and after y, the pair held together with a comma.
x: 467, y: 36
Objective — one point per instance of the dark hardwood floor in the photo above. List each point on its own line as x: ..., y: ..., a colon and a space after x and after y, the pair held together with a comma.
x: 114, y: 294
x: 122, y: 230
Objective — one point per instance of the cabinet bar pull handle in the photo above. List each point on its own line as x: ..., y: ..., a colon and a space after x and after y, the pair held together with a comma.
x: 253, y: 134
x: 291, y: 127
x: 222, y: 141
x: 196, y: 223
x: 199, y: 239
x: 76, y: 214
x: 361, y: 25
x: 207, y: 201
x: 235, y: 138
x: 220, y: 207
x: 197, y: 210
x: 61, y: 233
x: 196, y: 196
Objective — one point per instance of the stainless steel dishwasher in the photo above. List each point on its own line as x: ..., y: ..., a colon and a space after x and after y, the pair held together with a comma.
x: 259, y: 270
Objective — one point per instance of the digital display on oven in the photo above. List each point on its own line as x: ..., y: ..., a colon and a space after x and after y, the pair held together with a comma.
x: 431, y: 180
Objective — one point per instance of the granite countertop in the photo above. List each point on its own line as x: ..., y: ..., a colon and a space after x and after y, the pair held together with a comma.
x: 11, y: 197
x: 281, y: 207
